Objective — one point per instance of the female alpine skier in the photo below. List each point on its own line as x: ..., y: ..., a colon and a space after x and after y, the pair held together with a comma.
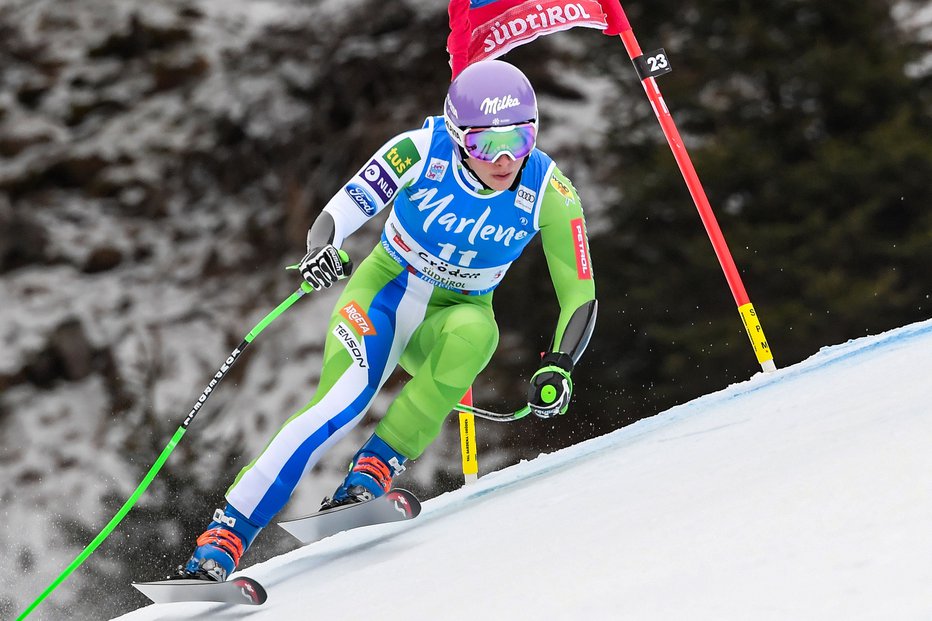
x: 468, y: 191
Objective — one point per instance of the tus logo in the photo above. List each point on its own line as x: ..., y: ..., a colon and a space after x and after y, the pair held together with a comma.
x: 402, y: 156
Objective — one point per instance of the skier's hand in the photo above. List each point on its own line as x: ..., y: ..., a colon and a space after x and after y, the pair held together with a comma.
x: 551, y: 387
x: 323, y: 266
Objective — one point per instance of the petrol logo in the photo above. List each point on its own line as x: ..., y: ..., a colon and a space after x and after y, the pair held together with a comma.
x: 583, y: 266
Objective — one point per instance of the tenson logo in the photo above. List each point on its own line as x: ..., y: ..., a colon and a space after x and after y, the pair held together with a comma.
x: 351, y: 345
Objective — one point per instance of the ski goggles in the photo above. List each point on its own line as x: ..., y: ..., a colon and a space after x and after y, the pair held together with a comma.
x: 489, y: 143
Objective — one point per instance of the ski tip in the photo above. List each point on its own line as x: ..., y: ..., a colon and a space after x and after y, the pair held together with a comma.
x: 405, y: 502
x: 251, y: 590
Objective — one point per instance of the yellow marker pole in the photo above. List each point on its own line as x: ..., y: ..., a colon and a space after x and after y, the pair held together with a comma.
x: 468, y: 442
x: 756, y: 334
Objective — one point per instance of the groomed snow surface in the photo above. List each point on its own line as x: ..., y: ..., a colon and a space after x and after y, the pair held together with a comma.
x: 803, y: 494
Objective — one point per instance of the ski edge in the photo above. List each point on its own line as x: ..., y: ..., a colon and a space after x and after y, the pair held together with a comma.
x: 406, y: 507
x: 238, y: 590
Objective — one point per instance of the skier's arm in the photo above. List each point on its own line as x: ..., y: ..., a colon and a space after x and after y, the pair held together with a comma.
x: 566, y: 247
x: 397, y: 163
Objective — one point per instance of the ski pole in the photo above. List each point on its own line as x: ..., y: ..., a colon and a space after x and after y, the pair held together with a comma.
x: 499, y: 417
x: 160, y: 461
x: 649, y: 66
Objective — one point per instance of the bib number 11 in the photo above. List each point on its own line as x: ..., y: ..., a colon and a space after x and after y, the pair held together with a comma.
x: 448, y: 250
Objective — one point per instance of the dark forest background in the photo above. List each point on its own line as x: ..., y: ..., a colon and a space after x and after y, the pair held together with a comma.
x: 808, y: 123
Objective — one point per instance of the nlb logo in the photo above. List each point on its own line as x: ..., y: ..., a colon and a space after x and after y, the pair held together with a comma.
x: 377, y: 179
x: 358, y: 319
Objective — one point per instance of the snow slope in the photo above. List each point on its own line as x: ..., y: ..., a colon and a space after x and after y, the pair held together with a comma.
x: 805, y: 494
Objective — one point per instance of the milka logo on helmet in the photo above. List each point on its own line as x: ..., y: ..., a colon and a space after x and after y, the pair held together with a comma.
x: 494, y: 105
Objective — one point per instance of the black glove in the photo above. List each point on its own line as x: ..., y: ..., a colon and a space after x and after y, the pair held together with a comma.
x: 323, y: 266
x: 551, y: 387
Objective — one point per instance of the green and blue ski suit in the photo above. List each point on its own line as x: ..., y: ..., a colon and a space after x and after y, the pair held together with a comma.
x: 423, y: 299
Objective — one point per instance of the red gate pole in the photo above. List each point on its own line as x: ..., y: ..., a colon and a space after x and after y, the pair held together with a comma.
x: 648, y: 67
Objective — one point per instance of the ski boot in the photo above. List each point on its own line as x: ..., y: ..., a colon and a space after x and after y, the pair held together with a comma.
x: 370, y: 474
x: 220, y: 547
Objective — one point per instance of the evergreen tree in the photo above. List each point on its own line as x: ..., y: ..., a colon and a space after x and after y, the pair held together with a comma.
x: 810, y: 130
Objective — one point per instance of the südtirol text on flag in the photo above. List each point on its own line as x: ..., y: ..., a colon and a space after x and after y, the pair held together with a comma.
x: 484, y: 29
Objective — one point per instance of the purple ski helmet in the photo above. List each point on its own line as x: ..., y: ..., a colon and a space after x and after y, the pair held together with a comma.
x: 489, y: 93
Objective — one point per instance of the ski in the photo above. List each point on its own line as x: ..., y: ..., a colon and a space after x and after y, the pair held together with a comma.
x: 395, y: 506
x: 240, y: 590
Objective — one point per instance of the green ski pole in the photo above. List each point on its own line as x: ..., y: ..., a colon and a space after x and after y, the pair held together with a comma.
x: 160, y: 461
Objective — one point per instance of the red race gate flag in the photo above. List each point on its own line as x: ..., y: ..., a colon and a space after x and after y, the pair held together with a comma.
x: 484, y: 29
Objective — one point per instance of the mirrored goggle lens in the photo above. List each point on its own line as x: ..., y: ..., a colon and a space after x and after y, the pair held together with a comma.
x: 488, y: 143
